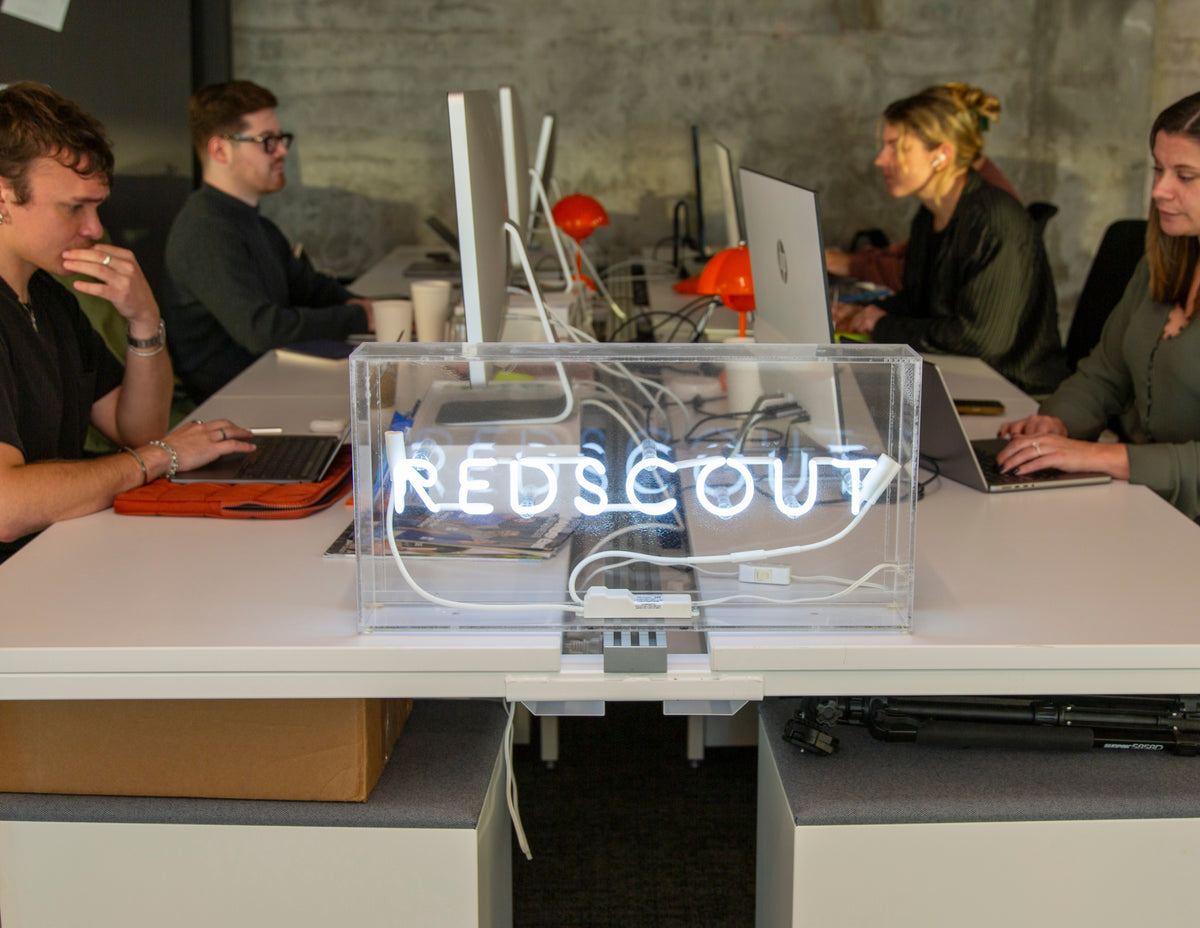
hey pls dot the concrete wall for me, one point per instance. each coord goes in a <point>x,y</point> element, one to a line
<point>793,87</point>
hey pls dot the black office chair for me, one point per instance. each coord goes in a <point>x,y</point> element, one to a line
<point>1041,213</point>
<point>1121,248</point>
<point>875,238</point>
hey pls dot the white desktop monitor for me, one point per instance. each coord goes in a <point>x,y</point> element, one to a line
<point>482,209</point>
<point>729,200</point>
<point>791,305</point>
<point>543,166</point>
<point>515,146</point>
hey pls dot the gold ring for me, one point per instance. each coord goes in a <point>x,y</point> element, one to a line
<point>107,260</point>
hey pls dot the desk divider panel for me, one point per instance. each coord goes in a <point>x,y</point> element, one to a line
<point>641,487</point>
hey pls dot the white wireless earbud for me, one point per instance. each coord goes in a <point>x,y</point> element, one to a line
<point>939,160</point>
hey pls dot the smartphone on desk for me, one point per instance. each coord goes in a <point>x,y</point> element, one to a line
<point>965,407</point>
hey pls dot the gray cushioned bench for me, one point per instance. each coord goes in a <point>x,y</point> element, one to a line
<point>903,834</point>
<point>444,778</point>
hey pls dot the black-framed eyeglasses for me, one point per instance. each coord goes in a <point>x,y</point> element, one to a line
<point>269,141</point>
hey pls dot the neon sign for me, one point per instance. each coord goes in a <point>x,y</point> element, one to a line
<point>723,485</point>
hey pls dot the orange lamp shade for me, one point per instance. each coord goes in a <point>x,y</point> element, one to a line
<point>727,275</point>
<point>579,215</point>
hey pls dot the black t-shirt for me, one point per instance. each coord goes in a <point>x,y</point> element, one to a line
<point>49,375</point>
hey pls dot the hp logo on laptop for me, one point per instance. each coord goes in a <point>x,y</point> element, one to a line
<point>781,257</point>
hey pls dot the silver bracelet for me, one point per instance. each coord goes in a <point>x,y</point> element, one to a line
<point>147,347</point>
<point>142,464</point>
<point>174,457</point>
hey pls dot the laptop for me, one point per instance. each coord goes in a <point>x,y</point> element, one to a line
<point>437,266</point>
<point>945,446</point>
<point>277,459</point>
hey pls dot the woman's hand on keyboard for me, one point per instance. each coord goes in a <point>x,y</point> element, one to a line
<point>1026,454</point>
<point>1033,425</point>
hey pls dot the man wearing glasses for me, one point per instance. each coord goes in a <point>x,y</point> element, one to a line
<point>234,287</point>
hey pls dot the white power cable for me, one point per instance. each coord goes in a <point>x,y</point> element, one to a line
<point>850,587</point>
<point>510,785</point>
<point>876,482</point>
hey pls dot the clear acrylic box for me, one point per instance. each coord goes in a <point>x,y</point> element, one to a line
<point>611,486</point>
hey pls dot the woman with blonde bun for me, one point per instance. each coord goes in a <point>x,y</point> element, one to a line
<point>976,279</point>
<point>885,265</point>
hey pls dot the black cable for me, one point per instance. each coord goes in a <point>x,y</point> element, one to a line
<point>931,465</point>
<point>642,316</point>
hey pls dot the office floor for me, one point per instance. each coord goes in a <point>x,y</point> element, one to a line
<point>625,832</point>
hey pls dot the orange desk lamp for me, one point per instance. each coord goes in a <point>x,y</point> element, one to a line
<point>579,216</point>
<point>727,275</point>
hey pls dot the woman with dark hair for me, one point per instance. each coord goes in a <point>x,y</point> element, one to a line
<point>976,278</point>
<point>1144,372</point>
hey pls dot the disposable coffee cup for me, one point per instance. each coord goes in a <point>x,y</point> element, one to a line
<point>743,386</point>
<point>431,309</point>
<point>393,320</point>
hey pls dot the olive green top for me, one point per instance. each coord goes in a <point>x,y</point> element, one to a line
<point>1151,386</point>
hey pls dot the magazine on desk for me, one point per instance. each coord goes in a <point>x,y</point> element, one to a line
<point>498,535</point>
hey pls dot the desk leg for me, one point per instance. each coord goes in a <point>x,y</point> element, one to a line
<point>548,729</point>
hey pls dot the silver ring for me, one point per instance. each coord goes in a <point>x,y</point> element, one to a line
<point>1038,448</point>
<point>107,260</point>
<point>222,435</point>
<point>199,422</point>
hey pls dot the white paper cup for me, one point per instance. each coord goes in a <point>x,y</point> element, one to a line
<point>393,320</point>
<point>742,383</point>
<point>431,308</point>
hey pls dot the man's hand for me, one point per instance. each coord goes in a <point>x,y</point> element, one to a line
<point>856,317</point>
<point>369,307</point>
<point>198,443</point>
<point>118,279</point>
<point>837,262</point>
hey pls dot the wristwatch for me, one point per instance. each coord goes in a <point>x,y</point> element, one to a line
<point>154,341</point>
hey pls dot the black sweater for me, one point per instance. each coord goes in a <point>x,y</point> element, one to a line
<point>980,287</point>
<point>234,290</point>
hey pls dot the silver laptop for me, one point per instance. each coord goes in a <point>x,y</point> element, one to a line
<point>277,459</point>
<point>946,448</point>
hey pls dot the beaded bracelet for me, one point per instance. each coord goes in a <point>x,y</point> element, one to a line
<point>142,464</point>
<point>174,457</point>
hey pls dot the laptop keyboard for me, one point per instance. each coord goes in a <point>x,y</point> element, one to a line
<point>286,457</point>
<point>993,474</point>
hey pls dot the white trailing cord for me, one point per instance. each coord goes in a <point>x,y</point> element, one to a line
<point>874,484</point>
<point>510,785</point>
<point>555,235</point>
<point>850,587</point>
<point>450,603</point>
<point>644,384</point>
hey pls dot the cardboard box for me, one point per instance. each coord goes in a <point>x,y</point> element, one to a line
<point>322,749</point>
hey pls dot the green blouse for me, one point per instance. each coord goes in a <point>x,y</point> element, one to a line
<point>1151,385</point>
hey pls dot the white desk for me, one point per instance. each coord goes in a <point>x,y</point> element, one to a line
<point>1069,590</point>
<point>386,279</point>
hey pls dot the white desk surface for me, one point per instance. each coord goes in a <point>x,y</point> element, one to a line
<point>1069,590</point>
<point>385,279</point>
